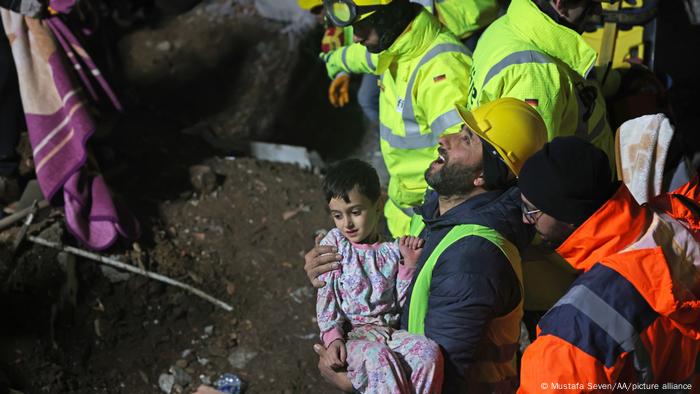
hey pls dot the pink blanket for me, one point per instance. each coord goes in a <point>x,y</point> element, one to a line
<point>59,125</point>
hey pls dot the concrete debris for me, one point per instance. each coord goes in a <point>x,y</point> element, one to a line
<point>285,154</point>
<point>166,382</point>
<point>240,357</point>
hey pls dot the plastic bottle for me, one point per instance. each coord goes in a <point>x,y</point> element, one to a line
<point>229,383</point>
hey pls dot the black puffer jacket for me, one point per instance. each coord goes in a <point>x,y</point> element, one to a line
<point>473,281</point>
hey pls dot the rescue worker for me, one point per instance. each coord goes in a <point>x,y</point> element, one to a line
<point>339,38</point>
<point>633,316</point>
<point>423,71</point>
<point>535,52</point>
<point>467,293</point>
<point>466,20</point>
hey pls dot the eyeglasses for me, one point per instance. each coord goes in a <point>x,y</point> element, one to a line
<point>530,215</point>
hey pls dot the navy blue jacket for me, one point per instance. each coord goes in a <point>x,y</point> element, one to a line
<point>473,281</point>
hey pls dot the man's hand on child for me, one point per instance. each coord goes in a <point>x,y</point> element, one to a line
<point>337,378</point>
<point>335,355</point>
<point>410,248</point>
<point>319,260</point>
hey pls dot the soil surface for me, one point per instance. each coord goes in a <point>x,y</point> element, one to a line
<point>197,86</point>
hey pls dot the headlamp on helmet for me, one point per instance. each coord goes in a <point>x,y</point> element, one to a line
<point>346,12</point>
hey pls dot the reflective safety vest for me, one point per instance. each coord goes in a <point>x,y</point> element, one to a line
<point>526,55</point>
<point>422,75</point>
<point>463,18</point>
<point>495,366</point>
<point>416,226</point>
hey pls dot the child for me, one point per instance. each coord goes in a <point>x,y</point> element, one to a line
<point>358,308</point>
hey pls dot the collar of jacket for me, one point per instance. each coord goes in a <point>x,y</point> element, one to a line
<point>552,38</point>
<point>413,42</point>
<point>611,228</point>
<point>496,209</point>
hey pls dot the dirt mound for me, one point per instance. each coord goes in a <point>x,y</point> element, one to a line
<point>242,243</point>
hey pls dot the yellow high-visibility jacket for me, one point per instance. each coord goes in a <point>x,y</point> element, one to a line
<point>422,75</point>
<point>527,55</point>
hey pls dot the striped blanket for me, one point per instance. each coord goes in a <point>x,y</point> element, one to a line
<point>59,125</point>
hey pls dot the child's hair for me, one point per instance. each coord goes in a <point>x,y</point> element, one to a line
<point>343,176</point>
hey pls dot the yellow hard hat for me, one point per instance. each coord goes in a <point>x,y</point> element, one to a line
<point>511,126</point>
<point>346,12</point>
<point>309,4</point>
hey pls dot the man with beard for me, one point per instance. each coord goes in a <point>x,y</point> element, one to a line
<point>424,71</point>
<point>633,316</point>
<point>467,292</point>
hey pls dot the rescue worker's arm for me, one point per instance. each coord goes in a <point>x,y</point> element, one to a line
<point>352,59</point>
<point>540,85</point>
<point>550,360</point>
<point>320,259</point>
<point>439,85</point>
<point>472,284</point>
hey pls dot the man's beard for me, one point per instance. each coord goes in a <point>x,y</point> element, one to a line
<point>453,180</point>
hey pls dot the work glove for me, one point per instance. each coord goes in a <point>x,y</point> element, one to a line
<point>338,91</point>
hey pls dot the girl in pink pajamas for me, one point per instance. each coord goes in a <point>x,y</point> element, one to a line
<point>358,308</point>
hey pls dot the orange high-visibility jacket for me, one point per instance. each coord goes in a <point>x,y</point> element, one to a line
<point>633,316</point>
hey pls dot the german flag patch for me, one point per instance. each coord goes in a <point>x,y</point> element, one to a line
<point>439,78</point>
<point>532,102</point>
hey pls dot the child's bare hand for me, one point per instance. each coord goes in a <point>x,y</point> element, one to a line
<point>335,355</point>
<point>411,248</point>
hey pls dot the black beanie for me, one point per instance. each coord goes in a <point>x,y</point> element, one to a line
<point>495,170</point>
<point>568,179</point>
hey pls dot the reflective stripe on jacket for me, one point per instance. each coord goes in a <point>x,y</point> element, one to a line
<point>352,58</point>
<point>526,55</point>
<point>634,315</point>
<point>495,366</point>
<point>463,18</point>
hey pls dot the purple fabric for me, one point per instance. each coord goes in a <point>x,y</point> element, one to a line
<point>91,214</point>
<point>59,128</point>
<point>73,49</point>
<point>62,6</point>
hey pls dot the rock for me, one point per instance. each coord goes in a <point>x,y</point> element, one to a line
<point>240,357</point>
<point>182,378</point>
<point>166,382</point>
<point>181,363</point>
<point>209,330</point>
<point>202,178</point>
<point>301,294</point>
<point>113,274</point>
<point>164,46</point>
<point>205,379</point>
<point>144,377</point>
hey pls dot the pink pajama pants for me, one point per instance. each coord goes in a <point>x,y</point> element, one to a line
<point>384,360</point>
